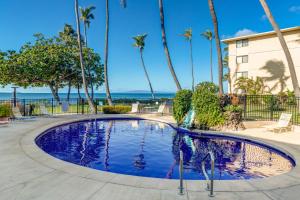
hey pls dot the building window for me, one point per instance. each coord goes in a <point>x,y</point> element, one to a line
<point>242,43</point>
<point>241,74</point>
<point>241,59</point>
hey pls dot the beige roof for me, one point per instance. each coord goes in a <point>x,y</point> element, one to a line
<point>260,34</point>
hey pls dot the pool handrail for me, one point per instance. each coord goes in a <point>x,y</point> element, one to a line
<point>210,181</point>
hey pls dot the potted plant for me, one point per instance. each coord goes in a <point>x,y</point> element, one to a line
<point>5,112</point>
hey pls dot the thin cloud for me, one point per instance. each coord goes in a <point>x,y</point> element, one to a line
<point>264,18</point>
<point>295,9</point>
<point>244,32</point>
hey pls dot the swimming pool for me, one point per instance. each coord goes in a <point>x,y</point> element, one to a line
<point>151,149</point>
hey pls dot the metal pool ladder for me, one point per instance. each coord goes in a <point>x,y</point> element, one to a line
<point>209,181</point>
<point>181,173</point>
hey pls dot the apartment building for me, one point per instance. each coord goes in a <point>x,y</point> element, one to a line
<point>261,55</point>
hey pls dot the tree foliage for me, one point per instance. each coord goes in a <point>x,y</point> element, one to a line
<point>251,86</point>
<point>207,107</point>
<point>51,62</point>
<point>182,104</point>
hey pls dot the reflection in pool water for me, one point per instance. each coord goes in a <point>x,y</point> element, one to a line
<point>151,149</point>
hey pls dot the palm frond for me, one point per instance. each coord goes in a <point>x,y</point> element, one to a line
<point>188,34</point>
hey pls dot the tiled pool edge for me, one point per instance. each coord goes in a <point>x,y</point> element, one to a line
<point>27,142</point>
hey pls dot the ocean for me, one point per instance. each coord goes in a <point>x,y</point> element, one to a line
<point>139,96</point>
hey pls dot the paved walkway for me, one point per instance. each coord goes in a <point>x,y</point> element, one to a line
<point>27,173</point>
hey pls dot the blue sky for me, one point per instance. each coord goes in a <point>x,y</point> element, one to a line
<point>20,19</point>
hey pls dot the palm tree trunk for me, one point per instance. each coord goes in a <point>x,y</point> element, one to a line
<point>164,39</point>
<point>284,47</point>
<point>229,80</point>
<point>78,91</point>
<point>91,83</point>
<point>108,95</point>
<point>218,44</point>
<point>54,93</point>
<point>69,91</point>
<point>146,74</point>
<point>89,100</point>
<point>192,63</point>
<point>85,35</point>
<point>211,63</point>
<point>89,69</point>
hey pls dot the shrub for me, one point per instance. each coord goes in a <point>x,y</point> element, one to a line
<point>233,115</point>
<point>118,109</point>
<point>207,106</point>
<point>233,108</point>
<point>181,104</point>
<point>5,111</point>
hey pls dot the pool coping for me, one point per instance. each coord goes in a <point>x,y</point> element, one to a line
<point>289,179</point>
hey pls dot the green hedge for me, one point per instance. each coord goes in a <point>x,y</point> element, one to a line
<point>207,106</point>
<point>118,109</point>
<point>5,111</point>
<point>182,104</point>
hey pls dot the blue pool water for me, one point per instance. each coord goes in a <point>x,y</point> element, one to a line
<point>151,149</point>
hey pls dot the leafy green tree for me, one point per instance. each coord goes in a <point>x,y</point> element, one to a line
<point>69,38</point>
<point>188,35</point>
<point>208,34</point>
<point>48,62</point>
<point>84,82</point>
<point>165,44</point>
<point>139,42</point>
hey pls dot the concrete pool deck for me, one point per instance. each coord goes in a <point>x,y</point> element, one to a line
<point>28,173</point>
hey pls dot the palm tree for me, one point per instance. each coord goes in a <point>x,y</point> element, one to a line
<point>209,36</point>
<point>89,100</point>
<point>108,95</point>
<point>164,39</point>
<point>188,34</point>
<point>284,47</point>
<point>139,42</point>
<point>227,77</point>
<point>218,44</point>
<point>86,17</point>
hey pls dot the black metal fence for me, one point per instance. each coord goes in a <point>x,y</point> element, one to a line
<point>37,107</point>
<point>269,107</point>
<point>255,107</point>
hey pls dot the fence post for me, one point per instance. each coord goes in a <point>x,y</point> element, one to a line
<point>272,108</point>
<point>96,105</point>
<point>24,103</point>
<point>82,106</point>
<point>245,105</point>
<point>52,106</point>
<point>77,102</point>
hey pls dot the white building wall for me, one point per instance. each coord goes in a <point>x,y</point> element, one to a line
<point>265,54</point>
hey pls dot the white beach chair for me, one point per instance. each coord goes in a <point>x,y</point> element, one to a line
<point>135,108</point>
<point>18,116</point>
<point>162,108</point>
<point>44,110</point>
<point>283,124</point>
